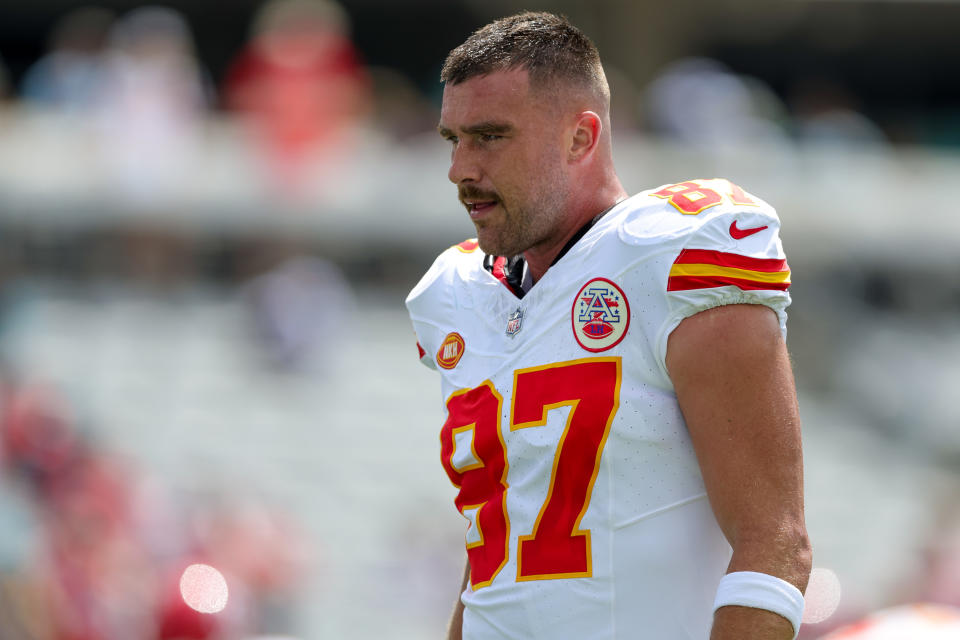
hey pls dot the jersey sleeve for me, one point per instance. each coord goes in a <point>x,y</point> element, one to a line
<point>735,257</point>
<point>425,358</point>
<point>420,302</point>
<point>721,246</point>
<point>435,296</point>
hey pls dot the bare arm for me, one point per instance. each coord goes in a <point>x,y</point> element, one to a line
<point>733,379</point>
<point>455,630</point>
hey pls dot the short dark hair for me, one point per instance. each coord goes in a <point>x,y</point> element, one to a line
<point>545,44</point>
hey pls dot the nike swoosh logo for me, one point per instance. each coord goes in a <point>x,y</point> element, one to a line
<point>740,234</point>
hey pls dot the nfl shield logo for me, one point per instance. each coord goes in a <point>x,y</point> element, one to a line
<point>514,321</point>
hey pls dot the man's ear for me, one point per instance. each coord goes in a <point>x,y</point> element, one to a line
<point>586,136</point>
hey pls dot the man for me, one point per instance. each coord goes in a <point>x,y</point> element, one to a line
<point>621,416</point>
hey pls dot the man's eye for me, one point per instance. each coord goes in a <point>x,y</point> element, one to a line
<point>452,140</point>
<point>489,137</point>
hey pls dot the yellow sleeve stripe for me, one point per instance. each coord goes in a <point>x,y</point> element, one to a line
<point>710,270</point>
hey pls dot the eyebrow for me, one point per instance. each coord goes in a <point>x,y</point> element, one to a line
<point>481,128</point>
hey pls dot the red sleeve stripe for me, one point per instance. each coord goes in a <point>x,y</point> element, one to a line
<point>686,283</point>
<point>735,260</point>
<point>420,351</point>
<point>702,269</point>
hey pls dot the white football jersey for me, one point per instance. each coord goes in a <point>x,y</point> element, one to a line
<point>586,511</point>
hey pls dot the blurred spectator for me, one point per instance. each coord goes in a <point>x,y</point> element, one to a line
<point>150,116</point>
<point>700,103</point>
<point>262,553</point>
<point>826,112</point>
<point>93,575</point>
<point>38,440</point>
<point>301,86</point>
<point>152,107</point>
<point>400,109</point>
<point>70,76</point>
<point>111,549</point>
<point>300,308</point>
<point>99,578</point>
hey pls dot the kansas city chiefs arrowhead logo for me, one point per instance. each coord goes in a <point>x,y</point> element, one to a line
<point>600,315</point>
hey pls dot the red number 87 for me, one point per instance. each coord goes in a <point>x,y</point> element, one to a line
<point>474,456</point>
<point>693,196</point>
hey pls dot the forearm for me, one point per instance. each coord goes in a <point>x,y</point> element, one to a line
<point>455,630</point>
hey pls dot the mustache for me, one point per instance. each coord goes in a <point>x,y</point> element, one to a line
<point>471,192</point>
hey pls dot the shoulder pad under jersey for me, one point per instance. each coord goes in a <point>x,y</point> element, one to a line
<point>703,208</point>
<point>440,294</point>
<point>723,246</point>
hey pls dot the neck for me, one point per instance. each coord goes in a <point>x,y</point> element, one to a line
<point>540,257</point>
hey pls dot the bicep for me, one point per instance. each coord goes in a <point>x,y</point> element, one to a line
<point>734,383</point>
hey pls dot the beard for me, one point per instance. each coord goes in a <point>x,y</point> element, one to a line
<point>519,224</point>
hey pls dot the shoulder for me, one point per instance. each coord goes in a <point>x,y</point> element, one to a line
<point>709,227</point>
<point>717,245</point>
<point>458,265</point>
<point>442,292</point>
<point>718,210</point>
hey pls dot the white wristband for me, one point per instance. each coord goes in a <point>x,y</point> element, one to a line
<point>761,591</point>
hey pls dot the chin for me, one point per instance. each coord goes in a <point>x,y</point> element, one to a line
<point>486,246</point>
<point>497,244</point>
<point>489,245</point>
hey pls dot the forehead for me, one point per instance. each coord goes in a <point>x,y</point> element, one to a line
<point>501,96</point>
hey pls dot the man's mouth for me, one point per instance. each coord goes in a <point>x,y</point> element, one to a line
<point>478,203</point>
<point>479,207</point>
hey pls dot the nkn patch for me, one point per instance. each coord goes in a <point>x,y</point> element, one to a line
<point>451,350</point>
<point>600,315</point>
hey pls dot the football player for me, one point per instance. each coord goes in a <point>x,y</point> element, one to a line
<point>621,418</point>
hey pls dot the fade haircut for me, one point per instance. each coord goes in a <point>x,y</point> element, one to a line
<point>546,45</point>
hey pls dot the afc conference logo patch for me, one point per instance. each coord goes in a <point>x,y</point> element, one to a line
<point>450,351</point>
<point>600,315</point>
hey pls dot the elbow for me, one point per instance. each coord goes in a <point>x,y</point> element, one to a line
<point>796,556</point>
<point>803,559</point>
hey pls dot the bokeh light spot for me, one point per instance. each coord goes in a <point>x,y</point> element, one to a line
<point>203,588</point>
<point>822,597</point>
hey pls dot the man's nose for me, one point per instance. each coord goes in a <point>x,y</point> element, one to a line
<point>463,166</point>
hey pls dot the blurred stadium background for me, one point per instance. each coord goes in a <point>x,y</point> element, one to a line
<point>210,214</point>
